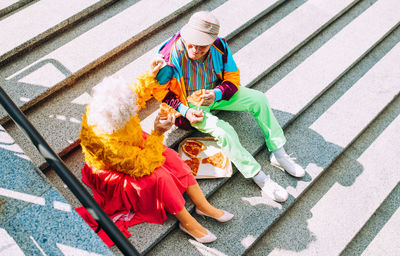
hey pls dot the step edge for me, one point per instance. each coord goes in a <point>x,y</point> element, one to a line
<point>54,30</point>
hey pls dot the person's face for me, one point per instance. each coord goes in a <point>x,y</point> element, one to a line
<point>197,52</point>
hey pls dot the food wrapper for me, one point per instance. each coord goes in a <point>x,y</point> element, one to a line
<point>207,170</point>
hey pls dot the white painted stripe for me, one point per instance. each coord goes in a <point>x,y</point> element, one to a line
<point>72,251</point>
<point>8,246</point>
<point>313,76</point>
<point>62,206</point>
<point>22,196</point>
<point>37,245</point>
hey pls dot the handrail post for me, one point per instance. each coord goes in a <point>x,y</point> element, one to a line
<point>67,177</point>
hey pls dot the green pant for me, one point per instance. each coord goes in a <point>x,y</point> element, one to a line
<point>255,103</point>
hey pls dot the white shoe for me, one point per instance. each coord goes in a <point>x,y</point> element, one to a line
<point>287,164</point>
<point>210,237</point>
<point>273,190</point>
<point>224,218</point>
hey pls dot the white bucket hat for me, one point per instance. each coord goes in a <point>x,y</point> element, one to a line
<point>202,29</point>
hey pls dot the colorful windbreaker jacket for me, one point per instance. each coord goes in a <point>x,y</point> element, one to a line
<point>173,90</point>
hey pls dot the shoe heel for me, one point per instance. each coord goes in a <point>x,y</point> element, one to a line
<point>209,238</point>
<point>200,213</point>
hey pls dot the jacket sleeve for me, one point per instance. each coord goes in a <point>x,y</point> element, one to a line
<point>172,100</point>
<point>227,89</point>
<point>231,74</point>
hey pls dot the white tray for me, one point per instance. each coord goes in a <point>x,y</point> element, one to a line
<point>208,171</point>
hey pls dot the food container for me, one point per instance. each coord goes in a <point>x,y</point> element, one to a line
<point>207,170</point>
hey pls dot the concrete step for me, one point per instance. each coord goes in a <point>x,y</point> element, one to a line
<point>34,216</point>
<point>317,137</point>
<point>40,20</point>
<point>351,192</point>
<point>8,6</point>
<point>379,233</point>
<point>31,83</point>
<point>286,37</point>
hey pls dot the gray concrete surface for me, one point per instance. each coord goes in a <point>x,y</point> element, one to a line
<point>325,218</point>
<point>287,36</point>
<point>41,19</point>
<point>8,6</point>
<point>380,233</point>
<point>34,218</point>
<point>334,58</point>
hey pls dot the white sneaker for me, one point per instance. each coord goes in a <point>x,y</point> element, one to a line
<point>273,190</point>
<point>287,164</point>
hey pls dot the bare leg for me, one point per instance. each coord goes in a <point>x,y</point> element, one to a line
<point>190,223</point>
<point>201,202</point>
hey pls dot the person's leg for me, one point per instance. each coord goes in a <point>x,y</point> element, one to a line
<point>256,103</point>
<point>201,202</point>
<point>228,140</point>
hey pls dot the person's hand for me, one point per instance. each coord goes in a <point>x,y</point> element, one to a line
<point>208,97</point>
<point>160,127</point>
<point>157,63</point>
<point>194,116</point>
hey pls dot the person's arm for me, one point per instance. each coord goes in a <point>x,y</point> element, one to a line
<point>231,74</point>
<point>164,75</point>
<point>147,82</point>
<point>175,103</point>
<point>147,157</point>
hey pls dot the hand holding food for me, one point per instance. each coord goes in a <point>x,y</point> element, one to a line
<point>162,126</point>
<point>166,110</point>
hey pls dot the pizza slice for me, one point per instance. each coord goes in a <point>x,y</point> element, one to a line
<point>193,147</point>
<point>166,109</point>
<point>195,99</point>
<point>194,164</point>
<point>218,160</point>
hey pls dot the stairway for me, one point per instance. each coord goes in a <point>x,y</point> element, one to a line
<point>330,71</point>
<point>35,219</point>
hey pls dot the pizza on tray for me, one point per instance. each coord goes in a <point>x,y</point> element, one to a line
<point>166,110</point>
<point>195,99</point>
<point>194,164</point>
<point>193,147</point>
<point>218,160</point>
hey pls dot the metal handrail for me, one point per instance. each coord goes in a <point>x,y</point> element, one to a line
<point>67,177</point>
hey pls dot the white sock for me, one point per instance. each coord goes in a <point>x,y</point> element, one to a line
<point>279,153</point>
<point>260,178</point>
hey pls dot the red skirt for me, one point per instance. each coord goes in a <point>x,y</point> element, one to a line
<point>148,197</point>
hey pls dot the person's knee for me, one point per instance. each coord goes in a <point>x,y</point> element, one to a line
<point>224,132</point>
<point>259,101</point>
<point>259,98</point>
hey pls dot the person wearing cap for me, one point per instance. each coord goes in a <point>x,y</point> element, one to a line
<point>198,59</point>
